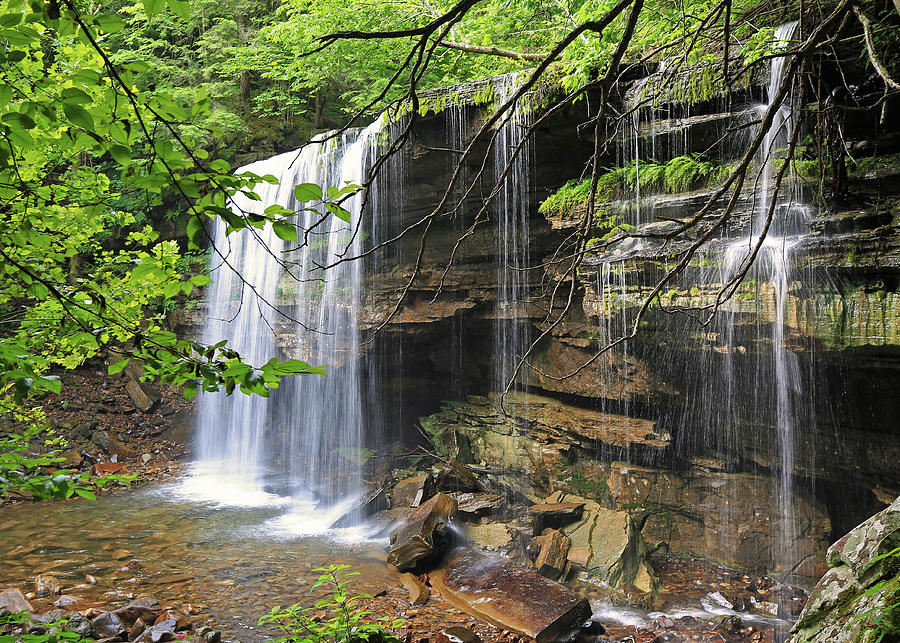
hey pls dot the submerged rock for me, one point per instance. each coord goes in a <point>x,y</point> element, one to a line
<point>414,540</point>
<point>857,587</point>
<point>508,595</point>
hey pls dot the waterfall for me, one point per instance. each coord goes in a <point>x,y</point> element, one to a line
<point>269,298</point>
<point>512,206</point>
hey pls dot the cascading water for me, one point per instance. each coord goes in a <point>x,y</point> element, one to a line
<point>305,441</point>
<point>512,170</point>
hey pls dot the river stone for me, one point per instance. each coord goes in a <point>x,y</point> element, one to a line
<point>108,625</point>
<point>182,620</point>
<point>163,631</point>
<point>834,612</point>
<point>209,635</point>
<point>618,553</point>
<point>79,625</point>
<point>552,559</point>
<point>138,395</point>
<point>418,591</point>
<point>511,596</point>
<point>457,634</point>
<point>65,601</point>
<point>14,601</point>
<point>414,539</point>
<point>46,585</point>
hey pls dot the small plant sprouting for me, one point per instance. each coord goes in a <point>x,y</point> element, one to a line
<point>345,619</point>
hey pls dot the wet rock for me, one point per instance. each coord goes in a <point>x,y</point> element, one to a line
<point>46,585</point>
<point>372,501</point>
<point>52,616</point>
<point>494,536</point>
<point>506,594</point>
<point>418,591</point>
<point>457,634</point>
<point>452,476</point>
<point>182,621</point>
<point>618,553</point>
<point>139,609</point>
<point>766,607</point>
<point>13,600</point>
<point>72,459</point>
<point>477,505</point>
<point>65,601</point>
<point>729,625</point>
<point>209,635</point>
<point>414,540</point>
<point>555,515</point>
<point>719,599</point>
<point>79,625</point>
<point>137,629</point>
<point>413,491</point>
<point>162,631</point>
<point>551,561</point>
<point>108,625</point>
<point>111,445</point>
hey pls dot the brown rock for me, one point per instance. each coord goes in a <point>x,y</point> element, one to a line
<point>46,585</point>
<point>418,591</point>
<point>414,539</point>
<point>412,492</point>
<point>555,515</point>
<point>14,601</point>
<point>139,396</point>
<point>457,634</point>
<point>182,621</point>
<point>108,625</point>
<point>111,445</point>
<point>508,595</point>
<point>455,477</point>
<point>137,629</point>
<point>476,505</point>
<point>108,468</point>
<point>551,561</point>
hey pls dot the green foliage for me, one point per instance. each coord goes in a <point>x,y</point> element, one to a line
<point>346,620</point>
<point>680,174</point>
<point>54,632</point>
<point>882,623</point>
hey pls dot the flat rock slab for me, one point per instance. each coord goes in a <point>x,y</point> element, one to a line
<point>504,593</point>
<point>476,505</point>
<point>14,601</point>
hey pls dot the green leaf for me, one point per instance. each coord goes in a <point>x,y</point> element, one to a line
<point>119,366</point>
<point>190,390</point>
<point>339,212</point>
<point>195,231</point>
<point>109,22</point>
<point>78,116</point>
<point>285,230</point>
<point>307,192</point>
<point>10,19</point>
<point>120,153</point>
<point>153,7</point>
<point>180,8</point>
<point>84,493</point>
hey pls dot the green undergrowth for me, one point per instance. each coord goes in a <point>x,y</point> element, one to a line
<point>680,174</point>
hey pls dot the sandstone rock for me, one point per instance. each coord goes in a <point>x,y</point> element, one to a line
<point>552,559</point>
<point>555,515</point>
<point>508,595</point>
<point>494,536</point>
<point>476,505</point>
<point>14,601</point>
<point>111,445</point>
<point>137,629</point>
<point>46,585</point>
<point>418,591</point>
<point>413,491</point>
<point>139,396</point>
<point>108,625</point>
<point>853,586</point>
<point>139,609</point>
<point>414,540</point>
<point>618,553</point>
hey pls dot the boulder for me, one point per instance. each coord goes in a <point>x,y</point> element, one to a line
<point>162,631</point>
<point>79,625</point>
<point>552,558</point>
<point>555,515</point>
<point>108,625</point>
<point>618,554</point>
<point>46,585</point>
<point>508,595</point>
<point>138,609</point>
<point>182,621</point>
<point>140,396</point>
<point>857,585</point>
<point>413,491</point>
<point>13,600</point>
<point>414,539</point>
